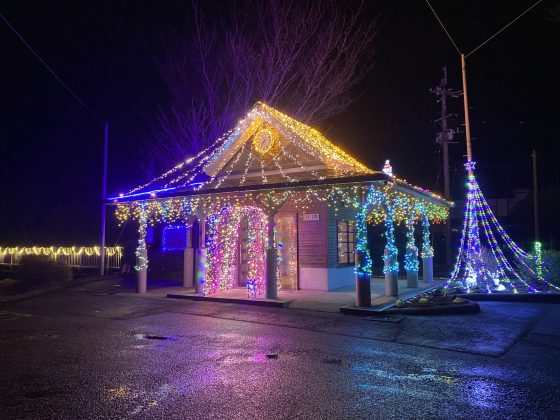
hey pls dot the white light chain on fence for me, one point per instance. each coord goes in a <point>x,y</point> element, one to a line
<point>79,257</point>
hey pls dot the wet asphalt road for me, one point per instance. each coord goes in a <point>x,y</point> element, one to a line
<point>87,353</point>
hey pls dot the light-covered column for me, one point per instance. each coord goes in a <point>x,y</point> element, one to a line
<point>427,252</point>
<point>391,266</point>
<point>362,258</point>
<point>142,253</point>
<point>200,264</point>
<point>271,260</point>
<point>188,259</point>
<point>411,263</point>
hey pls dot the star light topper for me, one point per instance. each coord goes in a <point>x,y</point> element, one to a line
<point>469,166</point>
<point>387,168</point>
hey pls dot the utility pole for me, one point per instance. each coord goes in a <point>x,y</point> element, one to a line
<point>103,198</point>
<point>466,106</point>
<point>444,137</point>
<point>535,196</point>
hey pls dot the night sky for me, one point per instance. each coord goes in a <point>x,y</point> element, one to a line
<point>51,148</point>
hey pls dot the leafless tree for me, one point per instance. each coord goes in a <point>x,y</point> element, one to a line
<point>303,57</point>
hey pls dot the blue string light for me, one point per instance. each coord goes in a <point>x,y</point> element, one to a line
<point>488,260</point>
<point>173,238</point>
<point>391,251</point>
<point>411,262</point>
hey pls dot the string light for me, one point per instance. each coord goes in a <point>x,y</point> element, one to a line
<point>174,238</point>
<point>53,251</point>
<point>488,259</point>
<point>265,126</point>
<point>223,247</point>
<point>427,249</point>
<point>411,262</point>
<point>391,252</point>
<point>373,210</point>
<point>538,259</point>
<point>141,251</point>
<point>268,146</point>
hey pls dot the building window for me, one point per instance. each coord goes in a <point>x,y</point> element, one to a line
<point>346,242</point>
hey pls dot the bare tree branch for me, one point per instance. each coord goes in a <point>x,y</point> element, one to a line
<point>304,58</point>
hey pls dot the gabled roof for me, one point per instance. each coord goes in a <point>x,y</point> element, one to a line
<point>266,147</point>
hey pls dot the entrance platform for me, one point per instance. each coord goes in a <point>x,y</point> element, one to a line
<point>313,300</point>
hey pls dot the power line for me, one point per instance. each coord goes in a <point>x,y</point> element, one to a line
<point>509,24</point>
<point>51,71</point>
<point>443,26</point>
<point>489,39</point>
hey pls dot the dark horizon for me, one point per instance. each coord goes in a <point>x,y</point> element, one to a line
<point>52,148</point>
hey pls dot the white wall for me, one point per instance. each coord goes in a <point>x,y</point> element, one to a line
<point>312,278</point>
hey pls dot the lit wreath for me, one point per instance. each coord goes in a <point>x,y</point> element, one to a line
<point>267,142</point>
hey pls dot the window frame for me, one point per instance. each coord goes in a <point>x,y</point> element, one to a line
<point>349,245</point>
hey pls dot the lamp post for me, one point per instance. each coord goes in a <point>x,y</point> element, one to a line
<point>103,198</point>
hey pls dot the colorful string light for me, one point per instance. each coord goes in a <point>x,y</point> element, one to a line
<point>411,262</point>
<point>373,210</point>
<point>288,143</point>
<point>488,259</point>
<point>391,252</point>
<point>427,249</point>
<point>539,260</point>
<point>223,243</point>
<point>267,147</point>
<point>141,250</point>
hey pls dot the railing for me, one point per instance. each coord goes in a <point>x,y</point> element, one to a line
<point>79,257</point>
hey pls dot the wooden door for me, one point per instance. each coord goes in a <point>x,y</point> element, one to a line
<point>286,236</point>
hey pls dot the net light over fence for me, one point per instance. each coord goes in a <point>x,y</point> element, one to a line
<point>79,257</point>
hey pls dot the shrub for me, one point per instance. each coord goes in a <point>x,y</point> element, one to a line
<point>39,269</point>
<point>551,265</point>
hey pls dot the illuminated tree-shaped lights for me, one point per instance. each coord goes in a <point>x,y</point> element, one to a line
<point>488,259</point>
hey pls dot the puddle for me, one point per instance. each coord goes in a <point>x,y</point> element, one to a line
<point>14,315</point>
<point>41,336</point>
<point>337,362</point>
<point>282,357</point>
<point>153,337</point>
<point>388,318</point>
<point>37,394</point>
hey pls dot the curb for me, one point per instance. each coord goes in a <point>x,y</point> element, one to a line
<point>465,308</point>
<point>71,283</point>
<point>268,302</point>
<point>513,297</point>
